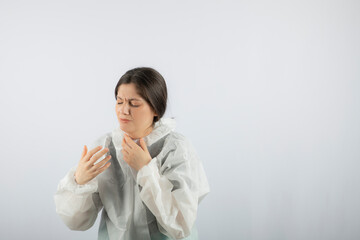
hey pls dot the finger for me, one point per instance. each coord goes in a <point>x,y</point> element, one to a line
<point>124,152</point>
<point>100,170</point>
<point>127,141</point>
<point>91,152</point>
<point>143,145</point>
<point>130,142</point>
<point>126,159</point>
<point>84,152</point>
<point>126,146</point>
<point>123,143</point>
<point>102,162</point>
<point>98,155</point>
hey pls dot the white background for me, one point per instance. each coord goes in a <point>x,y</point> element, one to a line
<point>267,91</point>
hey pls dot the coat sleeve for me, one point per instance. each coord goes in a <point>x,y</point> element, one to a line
<point>77,205</point>
<point>172,188</point>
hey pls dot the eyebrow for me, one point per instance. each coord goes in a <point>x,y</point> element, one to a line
<point>130,99</point>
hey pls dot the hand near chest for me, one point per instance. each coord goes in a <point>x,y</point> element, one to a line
<point>134,155</point>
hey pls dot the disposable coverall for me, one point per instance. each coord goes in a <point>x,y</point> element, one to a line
<point>159,201</point>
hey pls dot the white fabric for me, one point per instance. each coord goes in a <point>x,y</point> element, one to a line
<point>167,190</point>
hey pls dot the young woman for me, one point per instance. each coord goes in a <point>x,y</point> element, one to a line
<point>152,180</point>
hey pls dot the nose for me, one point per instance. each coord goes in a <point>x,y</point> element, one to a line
<point>125,109</point>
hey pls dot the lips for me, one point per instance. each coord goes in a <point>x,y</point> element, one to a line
<point>124,120</point>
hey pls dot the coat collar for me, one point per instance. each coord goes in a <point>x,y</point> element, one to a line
<point>161,128</point>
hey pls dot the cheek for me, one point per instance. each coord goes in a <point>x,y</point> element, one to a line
<point>136,115</point>
<point>117,110</point>
<point>149,116</point>
<point>140,116</point>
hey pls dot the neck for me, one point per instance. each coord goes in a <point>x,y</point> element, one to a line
<point>141,135</point>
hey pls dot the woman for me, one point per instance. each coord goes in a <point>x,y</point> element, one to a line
<point>151,181</point>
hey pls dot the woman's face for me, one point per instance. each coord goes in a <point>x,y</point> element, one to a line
<point>133,112</point>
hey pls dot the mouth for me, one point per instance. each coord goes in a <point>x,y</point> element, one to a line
<point>124,120</point>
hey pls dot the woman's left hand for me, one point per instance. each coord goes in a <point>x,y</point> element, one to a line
<point>136,156</point>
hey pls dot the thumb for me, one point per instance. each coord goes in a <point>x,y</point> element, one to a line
<point>143,145</point>
<point>84,151</point>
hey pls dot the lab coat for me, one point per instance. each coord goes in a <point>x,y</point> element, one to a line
<point>159,201</point>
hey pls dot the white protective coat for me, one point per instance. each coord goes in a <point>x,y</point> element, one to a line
<point>159,201</point>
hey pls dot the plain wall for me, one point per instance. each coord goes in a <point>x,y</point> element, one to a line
<point>267,91</point>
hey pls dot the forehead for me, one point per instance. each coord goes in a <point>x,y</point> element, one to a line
<point>128,91</point>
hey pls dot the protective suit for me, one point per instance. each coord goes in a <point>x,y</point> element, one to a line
<point>159,201</point>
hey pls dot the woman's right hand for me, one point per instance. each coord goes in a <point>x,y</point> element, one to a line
<point>86,169</point>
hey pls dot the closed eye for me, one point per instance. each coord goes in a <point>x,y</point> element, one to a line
<point>132,105</point>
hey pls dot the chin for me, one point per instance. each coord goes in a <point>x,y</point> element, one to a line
<point>125,128</point>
